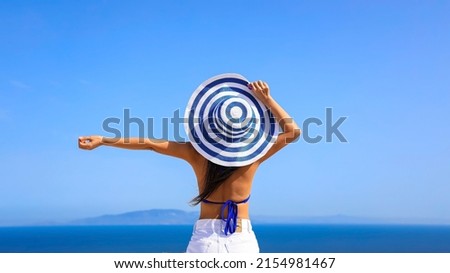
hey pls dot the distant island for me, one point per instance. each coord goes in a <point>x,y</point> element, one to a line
<point>145,217</point>
<point>180,217</point>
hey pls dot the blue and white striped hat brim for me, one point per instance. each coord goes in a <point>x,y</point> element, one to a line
<point>227,124</point>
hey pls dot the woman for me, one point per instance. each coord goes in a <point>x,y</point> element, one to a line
<point>224,224</point>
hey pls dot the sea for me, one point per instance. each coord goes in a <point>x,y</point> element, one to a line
<point>304,238</point>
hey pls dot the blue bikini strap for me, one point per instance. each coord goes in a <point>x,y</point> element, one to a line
<point>231,219</point>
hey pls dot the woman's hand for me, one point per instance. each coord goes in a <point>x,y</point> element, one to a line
<point>89,142</point>
<point>261,90</point>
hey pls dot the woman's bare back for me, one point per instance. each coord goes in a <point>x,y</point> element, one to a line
<point>236,188</point>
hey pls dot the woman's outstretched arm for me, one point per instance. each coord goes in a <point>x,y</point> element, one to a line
<point>183,150</point>
<point>291,131</point>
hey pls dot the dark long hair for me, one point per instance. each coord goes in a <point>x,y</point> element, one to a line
<point>214,177</point>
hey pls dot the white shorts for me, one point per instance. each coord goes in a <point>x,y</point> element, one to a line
<point>208,237</point>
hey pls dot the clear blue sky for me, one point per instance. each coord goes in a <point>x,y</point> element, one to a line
<point>65,66</point>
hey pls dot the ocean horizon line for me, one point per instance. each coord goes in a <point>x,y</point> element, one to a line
<point>156,217</point>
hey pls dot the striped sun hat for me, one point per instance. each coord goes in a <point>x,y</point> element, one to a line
<point>227,124</point>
